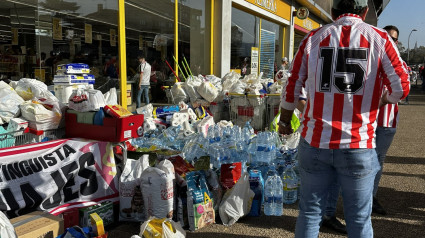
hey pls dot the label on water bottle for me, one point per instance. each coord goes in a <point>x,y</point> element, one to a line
<point>278,199</point>
<point>289,187</point>
<point>261,148</point>
<point>268,199</point>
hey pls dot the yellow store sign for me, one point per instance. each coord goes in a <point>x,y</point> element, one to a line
<point>277,7</point>
<point>307,24</point>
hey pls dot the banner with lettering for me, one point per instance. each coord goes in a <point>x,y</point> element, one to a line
<point>56,176</point>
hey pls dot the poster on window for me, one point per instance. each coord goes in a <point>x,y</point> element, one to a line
<point>113,37</point>
<point>57,28</point>
<point>254,60</point>
<point>88,34</point>
<point>57,176</point>
<point>15,36</point>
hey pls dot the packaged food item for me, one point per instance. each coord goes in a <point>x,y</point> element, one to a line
<point>74,68</point>
<point>104,210</point>
<point>230,174</point>
<point>117,111</point>
<point>74,79</point>
<point>164,228</point>
<point>200,206</point>
<point>256,183</point>
<point>97,224</point>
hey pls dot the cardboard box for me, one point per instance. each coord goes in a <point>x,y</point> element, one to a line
<point>38,225</point>
<point>104,210</point>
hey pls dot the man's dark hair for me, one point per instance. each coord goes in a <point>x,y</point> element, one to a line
<point>394,28</point>
<point>141,57</point>
<point>347,6</point>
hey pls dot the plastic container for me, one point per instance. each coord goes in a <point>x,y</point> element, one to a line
<point>63,92</point>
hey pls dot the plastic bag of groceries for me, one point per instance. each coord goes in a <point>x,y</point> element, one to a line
<point>191,85</point>
<point>111,97</point>
<point>6,228</point>
<point>161,227</point>
<point>179,94</point>
<point>83,100</point>
<point>131,200</point>
<point>9,102</point>
<point>32,88</point>
<point>42,114</point>
<point>208,91</point>
<point>157,184</point>
<point>237,201</point>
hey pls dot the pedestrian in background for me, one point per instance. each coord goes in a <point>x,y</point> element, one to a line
<point>144,80</point>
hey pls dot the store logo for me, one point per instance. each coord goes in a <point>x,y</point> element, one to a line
<point>308,24</point>
<point>268,4</point>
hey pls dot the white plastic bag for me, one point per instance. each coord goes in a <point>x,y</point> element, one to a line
<point>208,91</point>
<point>191,85</point>
<point>179,94</point>
<point>145,110</point>
<point>42,115</point>
<point>86,100</point>
<point>237,201</point>
<point>9,102</point>
<point>111,97</point>
<point>131,200</point>
<point>238,87</point>
<point>32,88</point>
<point>150,228</point>
<point>205,124</point>
<point>6,228</point>
<point>157,186</point>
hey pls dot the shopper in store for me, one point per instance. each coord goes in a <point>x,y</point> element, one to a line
<point>340,64</point>
<point>144,80</point>
<point>284,65</point>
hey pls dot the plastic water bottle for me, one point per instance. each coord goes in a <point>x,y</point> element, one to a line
<point>290,185</point>
<point>195,148</point>
<point>265,148</point>
<point>278,197</point>
<point>271,171</point>
<point>268,196</point>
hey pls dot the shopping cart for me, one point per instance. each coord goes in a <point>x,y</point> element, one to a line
<point>28,136</point>
<point>169,94</point>
<point>273,106</point>
<point>220,110</point>
<point>248,107</point>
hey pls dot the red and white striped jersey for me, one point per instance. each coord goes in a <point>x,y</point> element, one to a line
<point>388,116</point>
<point>344,66</point>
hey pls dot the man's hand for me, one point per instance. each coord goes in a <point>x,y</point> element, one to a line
<point>384,101</point>
<point>140,86</point>
<point>285,130</point>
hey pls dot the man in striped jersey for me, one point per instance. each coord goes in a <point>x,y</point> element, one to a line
<point>341,64</point>
<point>387,123</point>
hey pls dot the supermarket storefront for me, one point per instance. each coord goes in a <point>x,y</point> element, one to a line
<point>301,28</point>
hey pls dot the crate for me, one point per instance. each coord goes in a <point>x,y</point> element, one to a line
<point>252,108</point>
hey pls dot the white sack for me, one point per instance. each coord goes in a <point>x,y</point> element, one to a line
<point>111,97</point>
<point>86,100</point>
<point>131,199</point>
<point>39,117</point>
<point>9,102</point>
<point>208,91</point>
<point>31,88</point>
<point>6,228</point>
<point>157,186</point>
<point>145,110</point>
<point>179,94</point>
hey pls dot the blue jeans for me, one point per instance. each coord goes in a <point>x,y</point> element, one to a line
<point>355,171</point>
<point>384,137</point>
<point>332,199</point>
<point>144,89</point>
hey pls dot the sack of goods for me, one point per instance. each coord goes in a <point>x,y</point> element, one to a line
<point>9,102</point>
<point>42,114</point>
<point>86,100</point>
<point>131,199</point>
<point>157,184</point>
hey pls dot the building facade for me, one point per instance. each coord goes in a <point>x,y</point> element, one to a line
<point>212,36</point>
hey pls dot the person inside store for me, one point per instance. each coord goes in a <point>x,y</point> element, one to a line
<point>284,65</point>
<point>245,69</point>
<point>337,136</point>
<point>144,70</point>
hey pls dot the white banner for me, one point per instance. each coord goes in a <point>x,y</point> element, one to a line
<point>56,176</point>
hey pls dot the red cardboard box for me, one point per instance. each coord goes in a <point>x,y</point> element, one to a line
<point>112,130</point>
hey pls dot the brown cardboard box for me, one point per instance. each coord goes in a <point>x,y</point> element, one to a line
<point>38,225</point>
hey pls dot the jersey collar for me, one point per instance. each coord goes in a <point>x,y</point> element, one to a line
<point>349,15</point>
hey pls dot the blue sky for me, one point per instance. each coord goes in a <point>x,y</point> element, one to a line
<point>406,15</point>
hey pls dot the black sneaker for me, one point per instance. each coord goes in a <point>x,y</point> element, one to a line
<point>334,224</point>
<point>377,208</point>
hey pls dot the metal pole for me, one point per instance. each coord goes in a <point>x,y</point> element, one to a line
<point>122,53</point>
<point>408,46</point>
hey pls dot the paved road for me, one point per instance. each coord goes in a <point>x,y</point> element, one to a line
<point>401,192</point>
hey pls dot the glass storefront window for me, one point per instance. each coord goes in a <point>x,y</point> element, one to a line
<point>244,36</point>
<point>194,34</point>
